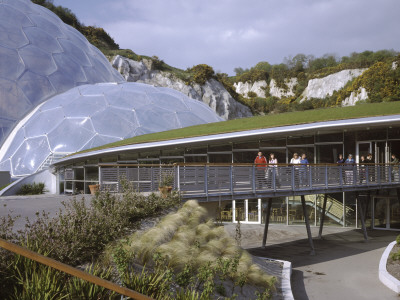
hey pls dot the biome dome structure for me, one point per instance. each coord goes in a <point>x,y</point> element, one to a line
<point>40,57</point>
<point>92,115</point>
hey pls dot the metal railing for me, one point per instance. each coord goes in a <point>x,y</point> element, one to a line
<point>71,270</point>
<point>243,180</point>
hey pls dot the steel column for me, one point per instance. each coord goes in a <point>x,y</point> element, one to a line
<point>361,211</point>
<point>267,216</point>
<point>310,240</point>
<point>321,225</point>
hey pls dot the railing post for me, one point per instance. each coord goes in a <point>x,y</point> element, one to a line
<point>253,175</point>
<point>341,175</point>
<point>178,177</point>
<point>326,177</point>
<point>310,169</point>
<point>390,173</point>
<point>367,175</point>
<point>274,177</point>
<point>379,174</point>
<point>293,178</point>
<point>231,178</point>
<point>355,171</point>
<point>118,182</point>
<point>206,181</point>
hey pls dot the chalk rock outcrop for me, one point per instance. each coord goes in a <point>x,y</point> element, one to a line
<point>213,93</point>
<point>257,87</point>
<point>279,92</point>
<point>323,87</point>
<point>359,95</point>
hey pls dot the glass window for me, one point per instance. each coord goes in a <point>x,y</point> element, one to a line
<point>328,153</point>
<point>350,209</point>
<point>333,210</point>
<point>246,145</point>
<point>349,143</point>
<point>196,159</point>
<point>273,142</point>
<point>329,137</point>
<point>226,212</point>
<point>394,133</point>
<point>252,210</point>
<point>219,148</point>
<point>172,152</point>
<point>149,154</point>
<point>300,140</point>
<point>220,158</point>
<point>244,156</point>
<point>128,157</point>
<point>92,173</point>
<point>171,160</point>
<point>196,150</point>
<point>240,210</point>
<point>79,173</point>
<point>108,159</point>
<point>296,215</point>
<point>371,134</point>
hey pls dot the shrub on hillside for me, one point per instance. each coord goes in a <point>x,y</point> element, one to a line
<point>202,73</point>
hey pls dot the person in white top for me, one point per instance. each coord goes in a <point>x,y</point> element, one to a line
<point>295,160</point>
<point>273,165</point>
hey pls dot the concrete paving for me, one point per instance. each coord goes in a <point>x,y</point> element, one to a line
<point>344,267</point>
<point>29,206</point>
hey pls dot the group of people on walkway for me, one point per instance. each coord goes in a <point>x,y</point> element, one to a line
<point>267,171</point>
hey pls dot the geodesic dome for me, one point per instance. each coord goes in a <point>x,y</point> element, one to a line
<point>40,57</point>
<point>92,115</point>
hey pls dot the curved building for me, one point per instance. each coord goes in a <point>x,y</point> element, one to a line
<point>93,115</point>
<point>40,56</point>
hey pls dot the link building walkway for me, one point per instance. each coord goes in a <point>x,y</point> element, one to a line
<point>219,182</point>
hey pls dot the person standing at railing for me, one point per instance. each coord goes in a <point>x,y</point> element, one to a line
<point>295,161</point>
<point>395,168</point>
<point>362,169</point>
<point>371,168</point>
<point>261,167</point>
<point>340,159</point>
<point>349,162</point>
<point>273,168</point>
<point>304,170</point>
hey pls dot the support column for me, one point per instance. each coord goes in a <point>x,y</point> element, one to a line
<point>321,224</point>
<point>310,240</point>
<point>361,211</point>
<point>267,216</point>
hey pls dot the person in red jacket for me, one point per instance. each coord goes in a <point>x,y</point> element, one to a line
<point>261,167</point>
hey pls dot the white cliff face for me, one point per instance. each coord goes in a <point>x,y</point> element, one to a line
<point>278,92</point>
<point>360,94</point>
<point>323,87</point>
<point>213,93</point>
<point>257,87</point>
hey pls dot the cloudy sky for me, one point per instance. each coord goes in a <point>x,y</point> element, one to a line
<point>232,33</point>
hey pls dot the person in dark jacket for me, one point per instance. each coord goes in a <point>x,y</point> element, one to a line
<point>304,170</point>
<point>340,159</point>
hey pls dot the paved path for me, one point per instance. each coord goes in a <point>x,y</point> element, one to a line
<point>28,206</point>
<point>345,267</point>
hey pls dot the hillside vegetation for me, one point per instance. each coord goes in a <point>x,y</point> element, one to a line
<point>380,81</point>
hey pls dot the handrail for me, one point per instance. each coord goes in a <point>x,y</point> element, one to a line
<point>241,164</point>
<point>71,270</point>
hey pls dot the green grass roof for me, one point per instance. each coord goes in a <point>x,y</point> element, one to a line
<point>267,121</point>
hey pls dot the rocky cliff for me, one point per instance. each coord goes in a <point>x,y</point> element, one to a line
<point>323,87</point>
<point>212,92</point>
<point>260,88</point>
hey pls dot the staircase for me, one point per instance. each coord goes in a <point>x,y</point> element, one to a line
<point>52,158</point>
<point>334,208</point>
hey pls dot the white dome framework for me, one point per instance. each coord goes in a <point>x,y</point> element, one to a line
<point>93,115</point>
<point>40,56</point>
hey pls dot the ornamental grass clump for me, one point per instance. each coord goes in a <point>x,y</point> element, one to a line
<point>187,242</point>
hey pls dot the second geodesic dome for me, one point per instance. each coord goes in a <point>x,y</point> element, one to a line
<point>93,115</point>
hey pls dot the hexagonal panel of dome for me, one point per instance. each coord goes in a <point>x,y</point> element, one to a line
<point>92,115</point>
<point>40,57</point>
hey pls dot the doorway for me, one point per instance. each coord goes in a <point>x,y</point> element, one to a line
<point>386,213</point>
